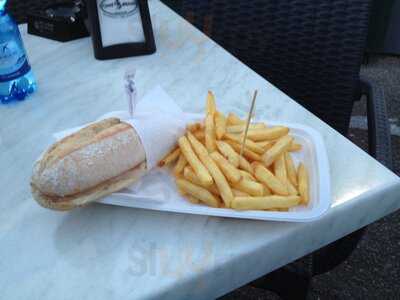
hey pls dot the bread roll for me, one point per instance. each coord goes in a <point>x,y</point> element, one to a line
<point>95,161</point>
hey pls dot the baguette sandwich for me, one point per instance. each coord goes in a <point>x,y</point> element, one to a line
<point>96,161</point>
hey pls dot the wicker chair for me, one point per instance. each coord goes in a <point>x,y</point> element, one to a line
<point>312,50</point>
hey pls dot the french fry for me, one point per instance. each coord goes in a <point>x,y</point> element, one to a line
<point>220,125</point>
<point>266,145</point>
<point>282,209</point>
<point>198,192</point>
<point>247,153</point>
<point>170,157</point>
<point>278,148</point>
<point>217,175</point>
<point>210,133</point>
<point>188,174</point>
<point>231,173</point>
<point>265,202</point>
<point>280,168</point>
<point>290,168</point>
<point>247,175</point>
<point>245,165</point>
<point>181,192</point>
<point>200,170</point>
<point>241,128</point>
<point>291,189</point>
<point>250,187</point>
<point>267,191</point>
<point>227,151</point>
<point>266,177</point>
<point>248,144</point>
<point>280,171</point>
<point>210,106</point>
<point>182,162</point>
<point>192,199</point>
<point>233,119</point>
<point>194,127</point>
<point>237,193</point>
<point>295,147</point>
<point>278,209</point>
<point>267,133</point>
<point>209,123</point>
<point>199,134</point>
<point>303,184</point>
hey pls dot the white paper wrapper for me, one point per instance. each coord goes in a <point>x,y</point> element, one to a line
<point>159,122</point>
<point>156,187</point>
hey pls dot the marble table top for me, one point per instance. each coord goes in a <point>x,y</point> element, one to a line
<point>106,252</point>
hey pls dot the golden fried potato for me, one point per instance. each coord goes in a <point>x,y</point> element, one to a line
<point>277,149</point>
<point>265,202</point>
<point>200,170</point>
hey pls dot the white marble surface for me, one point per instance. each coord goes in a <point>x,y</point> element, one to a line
<point>104,252</point>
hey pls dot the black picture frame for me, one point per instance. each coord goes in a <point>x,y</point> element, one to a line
<point>126,49</point>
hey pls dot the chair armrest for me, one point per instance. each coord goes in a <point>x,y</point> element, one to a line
<point>380,145</point>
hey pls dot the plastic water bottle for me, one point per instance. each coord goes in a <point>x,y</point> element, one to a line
<point>16,77</point>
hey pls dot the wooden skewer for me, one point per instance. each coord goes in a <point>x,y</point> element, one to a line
<point>253,102</point>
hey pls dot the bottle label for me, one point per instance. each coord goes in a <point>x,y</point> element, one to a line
<point>13,61</point>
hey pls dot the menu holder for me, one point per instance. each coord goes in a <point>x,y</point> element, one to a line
<point>120,28</point>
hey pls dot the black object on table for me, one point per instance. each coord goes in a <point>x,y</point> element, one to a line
<point>19,8</point>
<point>61,21</point>
<point>41,23</point>
<point>124,48</point>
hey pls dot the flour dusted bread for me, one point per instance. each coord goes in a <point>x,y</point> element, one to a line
<point>94,162</point>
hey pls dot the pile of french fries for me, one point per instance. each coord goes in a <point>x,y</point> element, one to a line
<point>210,170</point>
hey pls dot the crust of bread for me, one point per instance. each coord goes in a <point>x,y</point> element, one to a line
<point>81,199</point>
<point>70,147</point>
<point>76,141</point>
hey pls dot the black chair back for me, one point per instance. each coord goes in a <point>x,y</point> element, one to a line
<point>310,49</point>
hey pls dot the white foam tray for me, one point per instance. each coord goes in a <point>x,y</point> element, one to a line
<point>313,154</point>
